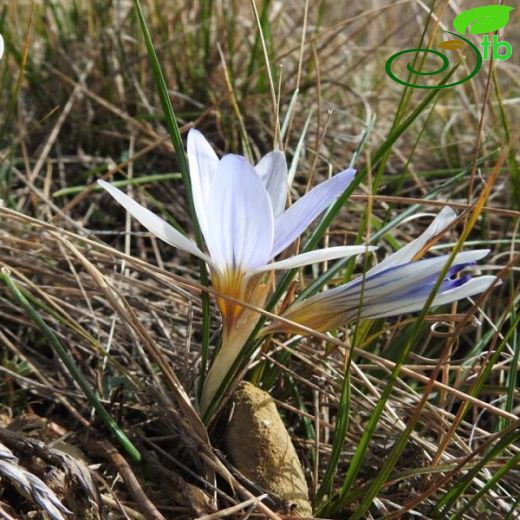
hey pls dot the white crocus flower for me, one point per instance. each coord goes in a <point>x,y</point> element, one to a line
<point>240,210</point>
<point>397,285</point>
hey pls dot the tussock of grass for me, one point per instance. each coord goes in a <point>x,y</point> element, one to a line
<point>79,101</point>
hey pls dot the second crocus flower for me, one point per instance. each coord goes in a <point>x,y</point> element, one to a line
<point>400,284</point>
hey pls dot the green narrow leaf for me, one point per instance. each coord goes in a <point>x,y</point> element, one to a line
<point>71,366</point>
<point>340,431</point>
<point>357,459</point>
<point>256,52</point>
<point>298,150</point>
<point>206,9</point>
<point>289,115</point>
<point>169,114</point>
<point>400,444</point>
<point>490,484</point>
<point>175,135</point>
<point>514,507</point>
<point>457,489</point>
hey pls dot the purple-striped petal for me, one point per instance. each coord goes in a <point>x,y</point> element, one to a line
<point>416,303</point>
<point>403,278</point>
<point>295,220</point>
<point>397,290</point>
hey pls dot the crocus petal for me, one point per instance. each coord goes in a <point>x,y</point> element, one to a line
<point>401,278</point>
<point>325,312</point>
<point>388,285</point>
<point>156,225</point>
<point>319,255</point>
<point>295,220</point>
<point>272,169</point>
<point>203,163</point>
<point>406,253</point>
<point>240,216</point>
<point>414,304</point>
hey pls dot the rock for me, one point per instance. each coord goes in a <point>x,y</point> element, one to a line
<point>261,448</point>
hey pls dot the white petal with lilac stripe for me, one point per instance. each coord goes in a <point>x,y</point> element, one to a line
<point>397,285</point>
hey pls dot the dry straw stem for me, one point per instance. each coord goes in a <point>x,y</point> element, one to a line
<point>170,481</point>
<point>127,314</point>
<point>63,354</point>
<point>136,264</point>
<point>51,139</point>
<point>228,511</point>
<point>114,504</point>
<point>108,451</point>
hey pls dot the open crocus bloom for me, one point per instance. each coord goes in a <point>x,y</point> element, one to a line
<point>397,285</point>
<point>240,209</point>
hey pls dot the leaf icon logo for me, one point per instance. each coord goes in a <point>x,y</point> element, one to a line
<point>484,19</point>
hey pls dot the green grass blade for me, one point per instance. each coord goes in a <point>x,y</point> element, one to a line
<point>289,114</point>
<point>491,483</point>
<point>298,150</point>
<point>206,10</point>
<point>513,376</point>
<point>73,369</point>
<point>401,442</point>
<point>455,492</point>
<point>19,80</point>
<point>144,179</point>
<point>169,114</point>
<point>340,432</point>
<point>359,454</point>
<point>256,52</point>
<point>362,447</point>
<point>514,507</point>
<point>495,356</point>
<point>175,135</point>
